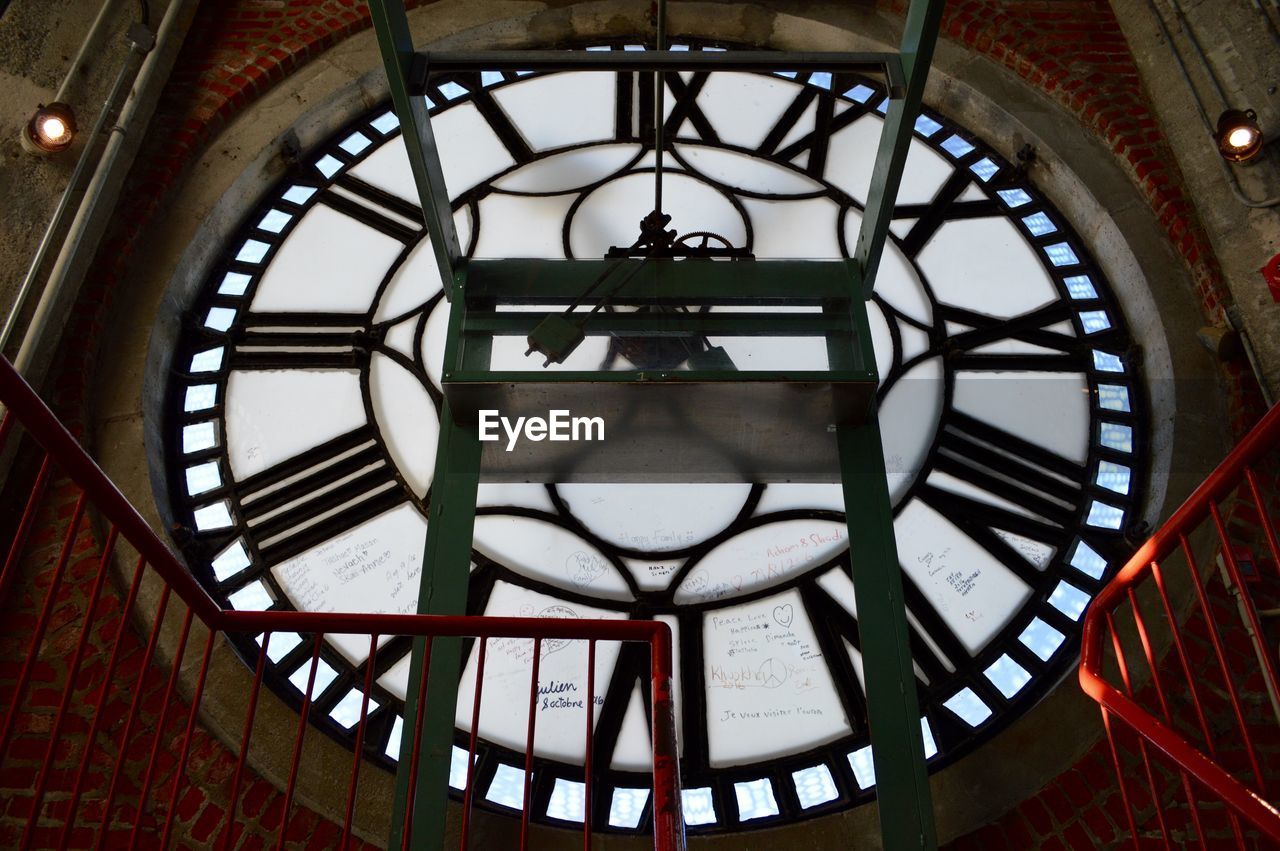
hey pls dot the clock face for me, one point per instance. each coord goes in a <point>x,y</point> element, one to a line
<point>304,413</point>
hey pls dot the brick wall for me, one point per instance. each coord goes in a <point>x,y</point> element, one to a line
<point>1071,50</point>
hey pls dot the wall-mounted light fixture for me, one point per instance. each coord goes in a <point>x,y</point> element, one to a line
<point>1238,135</point>
<point>52,128</point>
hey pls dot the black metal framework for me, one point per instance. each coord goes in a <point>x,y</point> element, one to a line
<point>1062,492</point>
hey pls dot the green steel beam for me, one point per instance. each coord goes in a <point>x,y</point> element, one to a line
<point>391,25</point>
<point>893,708</point>
<point>442,590</point>
<point>918,38</point>
<point>683,282</point>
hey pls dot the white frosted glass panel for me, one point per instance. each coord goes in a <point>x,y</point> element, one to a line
<point>1041,639</point>
<point>744,172</point>
<point>804,228</point>
<point>568,800</point>
<point>769,692</point>
<point>220,318</point>
<point>325,675</point>
<point>230,561</point>
<point>458,767</point>
<point>562,678</point>
<point>975,594</point>
<point>910,412</point>
<point>968,706</point>
<point>253,597</point>
<point>199,436</point>
<point>392,749</point>
<point>627,807</point>
<point>986,265</point>
<point>330,263</point>
<point>851,159</point>
<point>274,415</point>
<point>787,496</point>
<point>948,482</point>
<point>913,341</point>
<point>1105,516</point>
<point>209,360</point>
<point>569,171</point>
<point>407,419</point>
<point>814,786</point>
<point>930,746</point>
<point>1007,675</point>
<point>234,283</point>
<point>203,477</point>
<point>760,557</point>
<point>561,109</point>
<point>1069,600</point>
<point>652,575</point>
<point>200,397</point>
<point>610,215</point>
<point>839,585</point>
<point>547,552</point>
<point>864,770</point>
<point>1086,560</point>
<point>755,799</point>
<point>655,517</point>
<point>697,804</point>
<point>347,710</point>
<point>1033,551</point>
<point>282,644</point>
<point>524,226</point>
<point>215,516</point>
<point>1049,410</point>
<point>802,127</point>
<point>744,107</point>
<point>507,787</point>
<point>881,339</point>
<point>371,568</point>
<point>401,336</point>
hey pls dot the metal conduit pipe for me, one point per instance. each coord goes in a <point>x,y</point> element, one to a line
<point>140,42</point>
<point>87,47</point>
<point>100,195</point>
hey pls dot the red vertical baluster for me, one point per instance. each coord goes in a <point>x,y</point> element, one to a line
<point>234,800</point>
<point>64,704</point>
<point>1120,776</point>
<point>412,798</point>
<point>471,749</point>
<point>528,745</point>
<point>42,623</point>
<point>96,724</point>
<point>134,708</point>
<point>359,749</point>
<point>19,542</point>
<point>1142,743</point>
<point>668,818</point>
<point>1268,528</point>
<point>591,726</point>
<point>169,694</point>
<point>1164,708</point>
<point>1221,655</point>
<point>186,740</point>
<point>297,744</point>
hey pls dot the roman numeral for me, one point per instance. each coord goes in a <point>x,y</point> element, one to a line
<point>624,106</point>
<point>824,614</point>
<point>317,495</point>
<point>630,670</point>
<point>826,124</point>
<point>787,120</point>
<point>386,213</point>
<point>944,207</point>
<point>506,131</point>
<point>686,108</point>
<point>301,341</point>
<point>1067,353</point>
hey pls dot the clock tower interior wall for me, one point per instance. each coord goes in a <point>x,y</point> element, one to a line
<point>1062,75</point>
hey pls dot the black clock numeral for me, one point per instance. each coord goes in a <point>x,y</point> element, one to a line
<point>818,141</point>
<point>624,106</point>
<point>787,121</point>
<point>301,341</point>
<point>1066,352</point>
<point>686,109</point>
<point>943,208</point>
<point>630,671</point>
<point>500,123</point>
<point>371,206</point>
<point>317,495</point>
<point>824,614</point>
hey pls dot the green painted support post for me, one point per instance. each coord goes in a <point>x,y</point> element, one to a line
<point>391,25</point>
<point>918,38</point>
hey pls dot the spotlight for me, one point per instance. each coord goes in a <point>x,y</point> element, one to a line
<point>51,129</point>
<point>1239,137</point>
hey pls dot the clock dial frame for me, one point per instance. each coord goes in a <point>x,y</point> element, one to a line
<point>1052,522</point>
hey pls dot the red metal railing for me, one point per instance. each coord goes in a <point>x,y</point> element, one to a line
<point>109,705</point>
<point>1194,727</point>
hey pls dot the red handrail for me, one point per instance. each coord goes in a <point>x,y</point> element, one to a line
<point>63,454</point>
<point>1199,765</point>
